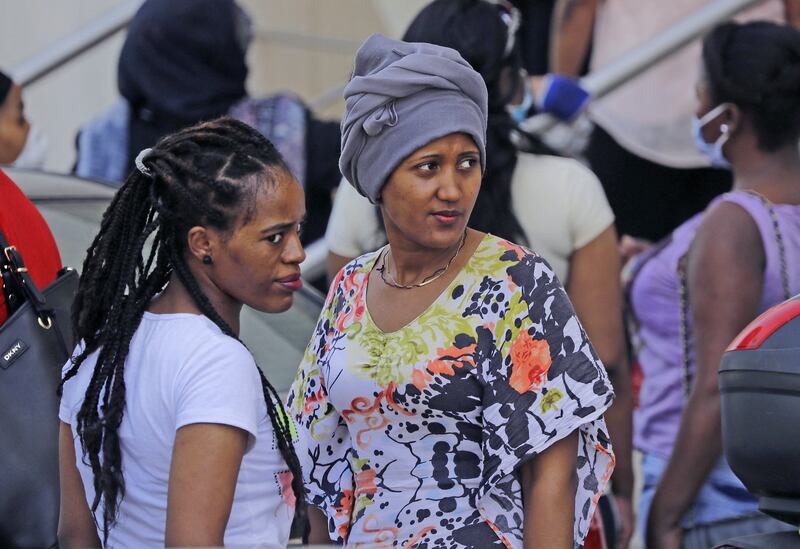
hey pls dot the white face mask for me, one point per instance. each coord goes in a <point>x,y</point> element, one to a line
<point>34,152</point>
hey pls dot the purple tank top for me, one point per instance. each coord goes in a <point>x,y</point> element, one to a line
<point>654,297</point>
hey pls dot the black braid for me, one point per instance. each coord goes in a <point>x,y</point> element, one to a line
<point>200,177</point>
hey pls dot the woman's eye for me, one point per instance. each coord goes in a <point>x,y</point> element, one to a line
<point>468,163</point>
<point>275,238</point>
<point>427,167</point>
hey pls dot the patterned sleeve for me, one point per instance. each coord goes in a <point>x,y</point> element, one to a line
<point>324,444</point>
<point>542,381</point>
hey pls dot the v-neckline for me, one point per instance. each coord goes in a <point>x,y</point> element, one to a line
<point>447,290</point>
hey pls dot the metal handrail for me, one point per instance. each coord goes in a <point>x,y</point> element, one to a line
<point>628,65</point>
<point>303,40</point>
<point>68,48</point>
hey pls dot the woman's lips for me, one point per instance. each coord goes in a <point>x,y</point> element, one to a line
<point>291,283</point>
<point>447,217</point>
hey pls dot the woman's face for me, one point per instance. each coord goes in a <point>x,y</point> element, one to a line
<point>429,197</point>
<point>14,127</point>
<point>258,262</point>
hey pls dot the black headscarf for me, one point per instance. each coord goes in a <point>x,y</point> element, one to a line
<point>5,86</point>
<point>183,61</point>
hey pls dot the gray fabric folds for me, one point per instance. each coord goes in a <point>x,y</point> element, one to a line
<point>401,97</point>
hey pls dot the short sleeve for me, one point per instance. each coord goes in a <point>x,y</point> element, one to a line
<point>324,445</point>
<point>542,381</point>
<point>353,227</point>
<point>589,211</point>
<point>66,406</point>
<point>218,383</point>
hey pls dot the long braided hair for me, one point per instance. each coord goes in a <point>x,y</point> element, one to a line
<point>206,175</point>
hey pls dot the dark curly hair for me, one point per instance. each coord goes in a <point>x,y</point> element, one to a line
<point>202,175</point>
<point>479,31</point>
<point>756,66</point>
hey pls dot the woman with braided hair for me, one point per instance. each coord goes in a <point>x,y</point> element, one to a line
<point>170,432</point>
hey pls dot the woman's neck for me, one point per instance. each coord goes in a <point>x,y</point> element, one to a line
<point>177,299</point>
<point>774,175</point>
<point>410,262</point>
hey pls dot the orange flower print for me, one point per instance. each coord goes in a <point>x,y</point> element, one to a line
<point>450,358</point>
<point>365,483</point>
<point>345,506</point>
<point>420,378</point>
<point>511,247</point>
<point>286,491</point>
<point>530,360</point>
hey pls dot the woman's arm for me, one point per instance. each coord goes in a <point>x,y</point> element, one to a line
<point>317,527</point>
<point>570,35</point>
<point>549,482</point>
<point>75,525</point>
<point>725,272</point>
<point>205,465</point>
<point>595,291</point>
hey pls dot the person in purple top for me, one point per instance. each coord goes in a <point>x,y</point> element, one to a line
<point>693,292</point>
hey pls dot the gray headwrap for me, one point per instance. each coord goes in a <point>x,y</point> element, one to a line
<point>403,96</point>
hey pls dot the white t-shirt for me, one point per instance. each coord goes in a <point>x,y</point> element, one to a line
<point>182,369</point>
<point>650,115</point>
<point>559,203</point>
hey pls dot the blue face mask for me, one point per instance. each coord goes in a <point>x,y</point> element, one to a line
<point>712,150</point>
<point>520,112</point>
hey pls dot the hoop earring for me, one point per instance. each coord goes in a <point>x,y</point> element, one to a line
<point>207,260</point>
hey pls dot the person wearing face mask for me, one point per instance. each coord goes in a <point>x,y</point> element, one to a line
<point>21,145</point>
<point>554,205</point>
<point>691,294</point>
<point>641,148</point>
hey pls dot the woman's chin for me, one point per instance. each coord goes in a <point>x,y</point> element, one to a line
<point>278,304</point>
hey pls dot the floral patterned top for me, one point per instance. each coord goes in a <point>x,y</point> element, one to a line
<point>412,438</point>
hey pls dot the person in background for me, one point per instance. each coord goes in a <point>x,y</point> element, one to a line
<point>695,291</point>
<point>184,61</point>
<point>171,435</point>
<point>552,204</point>
<point>26,229</point>
<point>21,145</point>
<point>449,396</point>
<point>641,147</point>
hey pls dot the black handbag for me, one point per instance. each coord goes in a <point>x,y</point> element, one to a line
<point>35,343</point>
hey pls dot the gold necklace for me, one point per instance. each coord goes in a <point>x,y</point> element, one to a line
<point>390,281</point>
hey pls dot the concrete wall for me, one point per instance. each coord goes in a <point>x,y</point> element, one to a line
<point>63,100</point>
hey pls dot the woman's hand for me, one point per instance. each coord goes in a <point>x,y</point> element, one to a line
<point>202,480</point>
<point>626,520</point>
<point>662,533</point>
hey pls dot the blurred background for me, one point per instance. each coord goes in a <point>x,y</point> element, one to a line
<point>305,46</point>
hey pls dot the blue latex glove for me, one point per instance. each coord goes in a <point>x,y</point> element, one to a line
<point>561,96</point>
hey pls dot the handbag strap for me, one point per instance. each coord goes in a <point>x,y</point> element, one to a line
<point>12,263</point>
<point>683,288</point>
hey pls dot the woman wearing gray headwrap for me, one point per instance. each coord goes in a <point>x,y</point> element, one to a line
<point>448,379</point>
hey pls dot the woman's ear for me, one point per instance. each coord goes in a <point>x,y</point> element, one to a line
<point>732,118</point>
<point>199,243</point>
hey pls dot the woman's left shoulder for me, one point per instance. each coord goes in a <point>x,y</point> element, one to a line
<point>504,256</point>
<point>732,218</point>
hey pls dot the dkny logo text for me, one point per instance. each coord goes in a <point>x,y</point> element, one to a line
<point>13,353</point>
